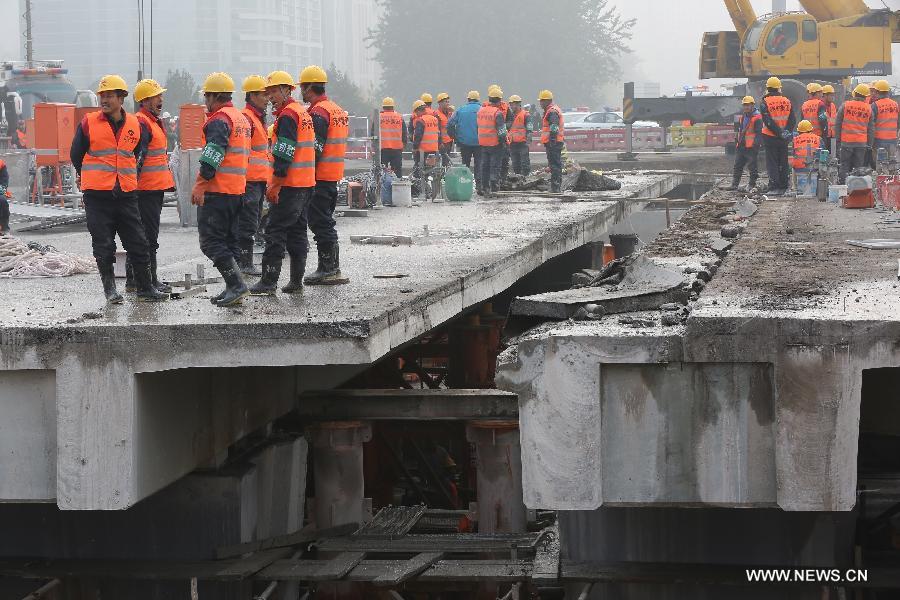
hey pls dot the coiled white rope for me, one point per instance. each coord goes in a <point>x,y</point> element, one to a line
<point>19,260</point>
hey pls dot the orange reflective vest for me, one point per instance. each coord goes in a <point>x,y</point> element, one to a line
<point>518,133</point>
<point>231,175</point>
<point>831,109</point>
<point>780,110</point>
<point>302,172</point>
<point>259,167</point>
<point>155,174</point>
<point>330,165</point>
<point>545,125</point>
<point>857,115</point>
<point>430,136</point>
<point>391,130</point>
<point>886,123</point>
<point>487,126</point>
<point>442,121</point>
<point>810,110</point>
<point>750,132</point>
<point>110,157</point>
<point>805,146</point>
<point>504,109</point>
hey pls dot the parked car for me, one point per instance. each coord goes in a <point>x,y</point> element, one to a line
<point>601,120</point>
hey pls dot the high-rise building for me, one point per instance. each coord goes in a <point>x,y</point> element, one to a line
<point>346,25</point>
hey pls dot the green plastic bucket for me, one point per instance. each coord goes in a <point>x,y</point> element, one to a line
<point>459,184</point>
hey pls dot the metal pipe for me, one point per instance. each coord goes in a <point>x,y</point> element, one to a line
<point>586,591</point>
<point>42,591</point>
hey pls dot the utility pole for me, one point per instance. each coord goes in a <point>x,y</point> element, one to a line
<point>29,50</point>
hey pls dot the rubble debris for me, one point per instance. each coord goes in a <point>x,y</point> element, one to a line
<point>384,240</point>
<point>637,321</point>
<point>21,260</point>
<point>578,179</point>
<point>731,231</point>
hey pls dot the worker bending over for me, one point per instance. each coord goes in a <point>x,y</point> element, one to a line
<point>815,111</point>
<point>106,151</point>
<point>221,184</point>
<point>463,127</point>
<point>259,170</point>
<point>855,132</point>
<point>806,144</point>
<point>4,194</point>
<point>886,124</point>
<point>778,124</point>
<point>492,139</point>
<point>293,182</point>
<point>332,127</point>
<point>519,137</point>
<point>393,136</point>
<point>749,138</point>
<point>552,137</point>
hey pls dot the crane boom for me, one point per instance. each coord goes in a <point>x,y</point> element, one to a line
<point>742,15</point>
<point>828,10</point>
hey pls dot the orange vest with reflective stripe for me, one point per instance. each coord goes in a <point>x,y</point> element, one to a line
<point>831,109</point>
<point>780,110</point>
<point>391,130</point>
<point>231,176</point>
<point>750,132</point>
<point>518,133</point>
<point>810,110</point>
<point>429,141</point>
<point>302,172</point>
<point>442,122</point>
<point>155,174</point>
<point>487,126</point>
<point>545,125</point>
<point>330,166</point>
<point>886,123</point>
<point>108,157</point>
<point>854,129</point>
<point>805,145</point>
<point>259,167</point>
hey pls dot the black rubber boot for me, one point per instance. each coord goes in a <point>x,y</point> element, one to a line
<point>246,263</point>
<point>146,291</point>
<point>215,299</point>
<point>268,283</point>
<point>298,268</point>
<point>165,288</point>
<point>235,289</point>
<point>329,272</point>
<point>555,188</point>
<point>108,277</point>
<point>130,283</point>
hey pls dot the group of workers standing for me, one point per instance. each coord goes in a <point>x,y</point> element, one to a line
<point>494,135</point>
<point>854,131</point>
<point>295,165</point>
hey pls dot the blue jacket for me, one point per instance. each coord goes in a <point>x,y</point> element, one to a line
<point>464,123</point>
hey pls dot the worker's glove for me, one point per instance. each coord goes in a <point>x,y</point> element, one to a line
<point>273,192</point>
<point>199,191</point>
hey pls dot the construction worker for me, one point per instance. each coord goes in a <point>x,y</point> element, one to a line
<point>854,131</point>
<point>393,136</point>
<point>815,111</point>
<point>221,183</point>
<point>496,91</point>
<point>443,114</point>
<point>292,184</point>
<point>332,128</point>
<point>746,153</point>
<point>553,135</point>
<point>154,176</point>
<point>463,127</point>
<point>4,194</point>
<point>806,143</point>
<point>519,137</point>
<point>778,125</point>
<point>831,111</point>
<point>106,151</point>
<point>886,123</point>
<point>259,170</point>
<point>492,139</point>
<point>427,136</point>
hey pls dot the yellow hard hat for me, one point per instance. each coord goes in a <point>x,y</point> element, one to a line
<point>545,95</point>
<point>147,88</point>
<point>218,83</point>
<point>280,78</point>
<point>426,98</point>
<point>773,83</point>
<point>813,88</point>
<point>313,74</point>
<point>515,98</point>
<point>827,89</point>
<point>254,83</point>
<point>388,102</point>
<point>882,85</point>
<point>111,83</point>
<point>862,90</point>
<point>804,126</point>
<point>418,104</point>
<point>474,95</point>
<point>443,96</point>
<point>495,92</point>
<point>748,100</point>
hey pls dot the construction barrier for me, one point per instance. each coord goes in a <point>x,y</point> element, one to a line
<point>719,135</point>
<point>691,136</point>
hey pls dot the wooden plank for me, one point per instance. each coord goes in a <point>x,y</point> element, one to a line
<point>253,564</point>
<point>413,544</point>
<point>304,536</point>
<point>546,558</point>
<point>399,404</point>
<point>409,569</point>
<point>370,570</point>
<point>338,567</point>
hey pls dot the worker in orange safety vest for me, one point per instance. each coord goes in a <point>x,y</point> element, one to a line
<point>854,131</point>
